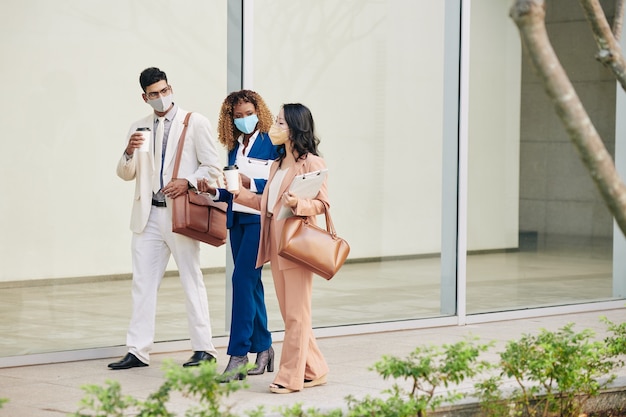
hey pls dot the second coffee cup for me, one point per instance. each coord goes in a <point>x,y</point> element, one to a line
<point>231,173</point>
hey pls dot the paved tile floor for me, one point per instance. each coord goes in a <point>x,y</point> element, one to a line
<point>54,390</point>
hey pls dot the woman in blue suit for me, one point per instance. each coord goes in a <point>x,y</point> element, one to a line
<point>242,128</point>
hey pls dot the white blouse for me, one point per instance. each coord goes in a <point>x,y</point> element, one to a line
<point>272,193</point>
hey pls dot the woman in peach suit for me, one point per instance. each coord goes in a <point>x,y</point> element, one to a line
<point>302,365</point>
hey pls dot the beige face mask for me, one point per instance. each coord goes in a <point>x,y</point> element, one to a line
<point>278,136</point>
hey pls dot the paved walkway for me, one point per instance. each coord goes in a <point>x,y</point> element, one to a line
<point>54,390</point>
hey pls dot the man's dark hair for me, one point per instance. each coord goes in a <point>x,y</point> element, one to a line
<point>150,76</point>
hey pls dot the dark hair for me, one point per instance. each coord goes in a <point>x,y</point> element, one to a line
<point>150,76</point>
<point>227,132</point>
<point>301,130</point>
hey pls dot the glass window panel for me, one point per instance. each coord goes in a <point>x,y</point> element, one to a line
<point>371,71</point>
<point>372,74</point>
<point>71,72</point>
<point>538,231</point>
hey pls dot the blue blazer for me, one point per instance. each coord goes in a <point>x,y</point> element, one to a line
<point>261,149</point>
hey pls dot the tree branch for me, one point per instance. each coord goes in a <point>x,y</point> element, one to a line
<point>618,19</point>
<point>609,51</point>
<point>529,16</point>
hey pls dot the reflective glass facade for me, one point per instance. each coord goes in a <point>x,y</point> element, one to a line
<point>449,174</point>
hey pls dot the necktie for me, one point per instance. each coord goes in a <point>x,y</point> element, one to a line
<point>158,156</point>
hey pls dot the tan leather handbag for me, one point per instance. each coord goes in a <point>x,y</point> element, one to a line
<point>314,248</point>
<point>196,215</point>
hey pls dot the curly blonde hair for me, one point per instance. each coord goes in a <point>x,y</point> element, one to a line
<point>227,132</point>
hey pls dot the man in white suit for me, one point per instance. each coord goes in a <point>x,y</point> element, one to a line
<point>151,221</point>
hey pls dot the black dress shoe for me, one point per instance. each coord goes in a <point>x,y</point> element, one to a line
<point>127,362</point>
<point>199,356</point>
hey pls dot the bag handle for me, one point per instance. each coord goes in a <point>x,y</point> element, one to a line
<point>330,227</point>
<point>181,142</point>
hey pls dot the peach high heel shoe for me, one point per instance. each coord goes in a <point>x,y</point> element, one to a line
<point>310,383</point>
<point>279,389</point>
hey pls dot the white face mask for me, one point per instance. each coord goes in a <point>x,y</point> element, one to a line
<point>162,103</point>
<point>278,136</point>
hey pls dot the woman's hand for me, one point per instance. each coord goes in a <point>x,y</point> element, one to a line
<point>290,200</point>
<point>245,180</point>
<point>204,187</point>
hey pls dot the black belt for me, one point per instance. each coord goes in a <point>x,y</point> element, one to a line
<point>158,203</point>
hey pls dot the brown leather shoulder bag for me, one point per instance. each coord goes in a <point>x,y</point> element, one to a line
<point>194,214</point>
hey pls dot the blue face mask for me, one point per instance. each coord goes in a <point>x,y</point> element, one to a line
<point>247,124</point>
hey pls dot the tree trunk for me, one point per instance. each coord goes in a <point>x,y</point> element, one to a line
<point>529,16</point>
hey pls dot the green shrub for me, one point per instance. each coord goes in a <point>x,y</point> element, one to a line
<point>202,383</point>
<point>551,373</point>
<point>297,411</point>
<point>616,342</point>
<point>430,370</point>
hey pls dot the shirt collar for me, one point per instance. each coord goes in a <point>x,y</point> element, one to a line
<point>254,135</point>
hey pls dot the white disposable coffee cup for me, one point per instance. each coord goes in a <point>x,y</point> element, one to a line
<point>147,137</point>
<point>231,173</point>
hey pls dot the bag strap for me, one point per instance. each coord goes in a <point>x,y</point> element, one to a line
<point>181,142</point>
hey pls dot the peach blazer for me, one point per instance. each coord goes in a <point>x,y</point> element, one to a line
<point>305,207</point>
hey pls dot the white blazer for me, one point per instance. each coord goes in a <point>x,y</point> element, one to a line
<point>199,160</point>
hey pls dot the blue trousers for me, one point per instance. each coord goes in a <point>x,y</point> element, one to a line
<point>248,327</point>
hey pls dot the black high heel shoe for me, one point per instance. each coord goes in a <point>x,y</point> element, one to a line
<point>264,360</point>
<point>234,363</point>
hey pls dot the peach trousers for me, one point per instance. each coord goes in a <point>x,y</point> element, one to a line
<point>301,358</point>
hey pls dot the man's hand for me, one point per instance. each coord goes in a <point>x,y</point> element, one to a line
<point>134,142</point>
<point>176,188</point>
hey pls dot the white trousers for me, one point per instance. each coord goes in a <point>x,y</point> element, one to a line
<point>151,251</point>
